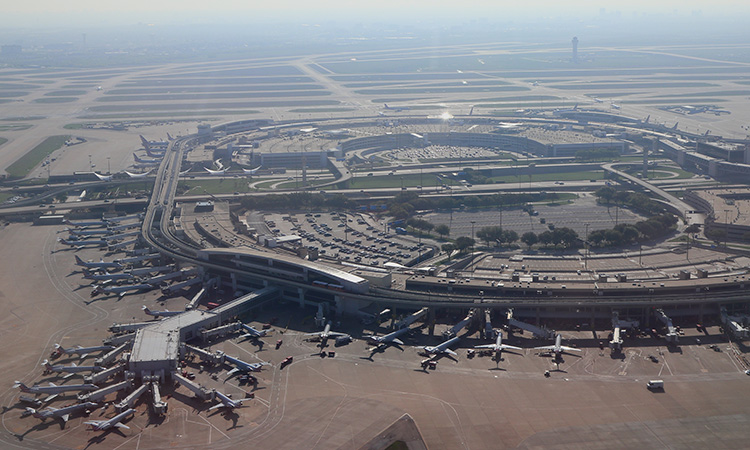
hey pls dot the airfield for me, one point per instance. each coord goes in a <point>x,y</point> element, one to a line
<point>591,401</point>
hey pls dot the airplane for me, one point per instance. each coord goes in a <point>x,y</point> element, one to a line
<point>85,232</point>
<point>71,369</point>
<point>441,349</point>
<point>106,276</point>
<point>326,334</point>
<point>252,333</point>
<point>61,413</point>
<point>137,259</point>
<point>139,175</point>
<point>117,236</point>
<point>226,402</point>
<point>498,346</point>
<point>598,100</point>
<point>146,161</point>
<point>216,172</point>
<point>100,425</point>
<point>169,138</point>
<point>103,177</point>
<point>242,366</point>
<point>84,223</point>
<point>111,247</point>
<point>148,270</point>
<point>82,351</point>
<point>54,389</point>
<point>125,226</point>
<point>558,348</point>
<point>83,243</point>
<point>251,171</point>
<point>614,105</point>
<point>149,151</point>
<point>396,108</point>
<point>82,197</point>
<point>158,314</point>
<point>97,265</point>
<point>389,339</point>
<point>121,290</point>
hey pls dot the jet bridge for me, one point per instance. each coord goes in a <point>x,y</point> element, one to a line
<point>489,332</point>
<point>408,320</point>
<point>160,407</point>
<point>539,332</point>
<point>734,324</point>
<point>104,375</point>
<point>617,325</point>
<point>109,357</point>
<point>196,300</point>
<point>199,391</point>
<point>220,331</point>
<point>212,358</point>
<point>118,328</point>
<point>453,331</point>
<point>671,335</point>
<point>119,340</point>
<point>97,396</point>
<point>130,400</point>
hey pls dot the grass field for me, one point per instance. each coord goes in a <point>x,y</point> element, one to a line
<point>394,181</point>
<point>220,186</point>
<point>3,140</point>
<point>563,176</point>
<point>199,107</point>
<point>36,155</point>
<point>55,99</point>
<point>15,127</point>
<point>65,93</point>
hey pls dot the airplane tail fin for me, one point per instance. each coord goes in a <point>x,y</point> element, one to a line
<point>18,384</point>
<point>79,261</point>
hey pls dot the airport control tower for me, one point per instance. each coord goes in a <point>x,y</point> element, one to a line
<point>575,48</point>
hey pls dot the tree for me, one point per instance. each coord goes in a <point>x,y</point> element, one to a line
<point>490,234</point>
<point>545,237</point>
<point>529,238</point>
<point>464,243</point>
<point>442,229</point>
<point>692,229</point>
<point>448,248</point>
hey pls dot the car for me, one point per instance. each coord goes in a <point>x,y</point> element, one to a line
<point>747,372</point>
<point>287,360</point>
<point>653,358</point>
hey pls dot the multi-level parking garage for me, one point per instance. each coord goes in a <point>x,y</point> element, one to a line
<point>692,291</point>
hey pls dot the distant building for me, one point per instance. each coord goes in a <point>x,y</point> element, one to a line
<point>575,49</point>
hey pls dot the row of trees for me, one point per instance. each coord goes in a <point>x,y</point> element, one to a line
<point>626,234</point>
<point>636,201</point>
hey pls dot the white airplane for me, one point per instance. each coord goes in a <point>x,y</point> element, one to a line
<point>598,100</point>
<point>85,232</point>
<point>498,346</point>
<point>79,244</point>
<point>71,369</point>
<point>125,226</point>
<point>252,333</point>
<point>558,348</point>
<point>118,236</point>
<point>614,105</point>
<point>111,247</point>
<point>117,219</point>
<point>139,175</point>
<point>216,172</point>
<point>146,161</point>
<point>441,349</point>
<point>121,290</point>
<point>326,334</point>
<point>137,259</point>
<point>158,314</point>
<point>103,177</point>
<point>83,352</point>
<point>54,389</point>
<point>86,223</point>
<point>61,413</point>
<point>396,108</point>
<point>97,265</point>
<point>100,425</point>
<point>390,338</point>
<point>251,171</point>
<point>242,366</point>
<point>106,276</point>
<point>226,402</point>
<point>150,151</point>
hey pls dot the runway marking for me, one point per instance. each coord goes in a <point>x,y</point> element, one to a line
<point>213,426</point>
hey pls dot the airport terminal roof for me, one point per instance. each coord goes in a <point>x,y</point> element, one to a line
<point>161,341</point>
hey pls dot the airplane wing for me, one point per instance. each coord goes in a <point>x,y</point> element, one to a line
<point>216,406</point>
<point>334,334</point>
<point>548,347</point>
<point>233,371</point>
<point>450,352</point>
<point>119,425</point>
<point>65,417</point>
<point>51,397</point>
<point>397,341</point>
<point>510,347</point>
<point>570,349</point>
<point>492,346</point>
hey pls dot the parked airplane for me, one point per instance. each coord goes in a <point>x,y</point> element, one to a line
<point>103,177</point>
<point>151,151</point>
<point>118,219</point>
<point>146,161</point>
<point>390,338</point>
<point>252,333</point>
<point>118,245</point>
<point>142,271</point>
<point>598,100</point>
<point>118,236</point>
<point>97,265</point>
<point>498,346</point>
<point>326,334</point>
<point>242,366</point>
<point>83,352</point>
<point>251,171</point>
<point>396,108</point>
<point>100,425</point>
<point>441,349</point>
<point>61,413</point>
<point>126,226</point>
<point>71,369</point>
<point>106,276</point>
<point>226,402</point>
<point>216,172</point>
<point>85,232</point>
<point>139,175</point>
<point>83,243</point>
<point>121,290</point>
<point>558,349</point>
<point>86,223</point>
<point>158,314</point>
<point>54,389</point>
<point>137,259</point>
<point>614,105</point>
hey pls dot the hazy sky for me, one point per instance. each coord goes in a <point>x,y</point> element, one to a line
<point>77,12</point>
